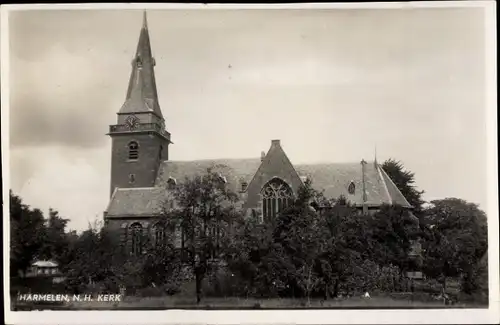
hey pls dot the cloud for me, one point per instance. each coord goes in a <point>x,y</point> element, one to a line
<point>70,181</point>
<point>58,99</point>
<point>330,84</point>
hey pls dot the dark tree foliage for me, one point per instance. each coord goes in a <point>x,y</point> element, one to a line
<point>27,235</point>
<point>457,239</point>
<point>317,247</point>
<point>392,230</point>
<point>405,182</point>
<point>56,239</point>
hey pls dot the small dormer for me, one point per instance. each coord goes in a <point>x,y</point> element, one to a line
<point>243,185</point>
<point>171,183</point>
<point>351,188</point>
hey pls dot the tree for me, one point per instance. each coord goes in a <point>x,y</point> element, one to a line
<point>56,240</point>
<point>248,256</point>
<point>393,230</point>
<point>458,238</point>
<point>203,209</point>
<point>299,241</point>
<point>347,246</point>
<point>405,182</point>
<point>97,257</point>
<point>27,234</point>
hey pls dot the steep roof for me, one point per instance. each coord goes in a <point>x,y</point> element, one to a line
<point>332,178</point>
<point>142,95</point>
<point>274,164</point>
<point>144,201</point>
<point>235,170</point>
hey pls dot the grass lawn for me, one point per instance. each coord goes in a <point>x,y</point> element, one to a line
<point>251,303</point>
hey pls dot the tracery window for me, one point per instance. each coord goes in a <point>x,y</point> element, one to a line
<point>133,150</point>
<point>276,196</point>
<point>136,238</point>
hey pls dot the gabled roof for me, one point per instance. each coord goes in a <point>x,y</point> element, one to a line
<point>331,178</point>
<point>275,164</point>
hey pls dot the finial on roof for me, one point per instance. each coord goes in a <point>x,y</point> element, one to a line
<point>144,20</point>
<point>375,154</point>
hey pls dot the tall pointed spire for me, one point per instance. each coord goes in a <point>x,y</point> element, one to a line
<point>144,20</point>
<point>142,95</point>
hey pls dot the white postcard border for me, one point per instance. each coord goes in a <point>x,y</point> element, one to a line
<point>445,316</point>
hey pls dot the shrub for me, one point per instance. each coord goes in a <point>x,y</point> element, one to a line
<point>372,278</point>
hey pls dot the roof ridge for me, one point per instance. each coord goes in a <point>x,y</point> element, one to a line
<point>211,159</point>
<point>394,185</point>
<point>257,158</point>
<point>385,184</point>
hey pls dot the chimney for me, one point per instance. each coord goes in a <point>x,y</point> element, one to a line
<point>262,155</point>
<point>275,142</point>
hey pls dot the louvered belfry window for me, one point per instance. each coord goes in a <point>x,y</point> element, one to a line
<point>133,150</point>
<point>276,196</point>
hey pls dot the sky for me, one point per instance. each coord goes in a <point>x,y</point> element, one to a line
<point>330,84</point>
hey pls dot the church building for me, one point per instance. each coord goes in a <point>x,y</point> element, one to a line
<point>142,172</point>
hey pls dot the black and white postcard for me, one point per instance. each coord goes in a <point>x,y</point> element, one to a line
<point>250,164</point>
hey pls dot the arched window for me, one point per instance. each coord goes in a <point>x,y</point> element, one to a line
<point>160,153</point>
<point>159,233</point>
<point>136,238</point>
<point>133,150</point>
<point>351,188</point>
<point>131,178</point>
<point>276,196</point>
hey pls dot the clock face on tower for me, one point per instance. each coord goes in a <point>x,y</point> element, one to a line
<point>131,122</point>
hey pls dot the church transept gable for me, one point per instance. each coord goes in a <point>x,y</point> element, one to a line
<point>275,165</point>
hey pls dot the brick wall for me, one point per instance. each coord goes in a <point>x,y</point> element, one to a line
<point>144,169</point>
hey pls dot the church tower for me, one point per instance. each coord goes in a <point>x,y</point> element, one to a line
<point>139,139</point>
